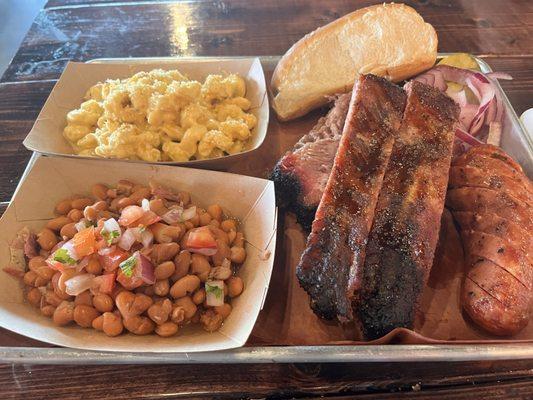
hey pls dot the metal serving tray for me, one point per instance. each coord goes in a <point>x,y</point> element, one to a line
<point>515,140</point>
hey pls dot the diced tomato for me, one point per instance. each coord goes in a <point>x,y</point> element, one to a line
<point>55,264</point>
<point>105,283</point>
<point>130,214</point>
<point>201,238</point>
<point>133,216</point>
<point>148,218</point>
<point>84,242</point>
<point>112,258</point>
<point>100,244</point>
<point>129,283</point>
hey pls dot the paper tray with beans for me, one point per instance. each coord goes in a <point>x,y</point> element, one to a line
<point>133,258</point>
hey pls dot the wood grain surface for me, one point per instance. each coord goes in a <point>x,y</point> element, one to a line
<point>499,31</point>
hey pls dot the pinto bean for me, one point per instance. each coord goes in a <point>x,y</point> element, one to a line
<point>182,262</point>
<point>235,286</point>
<point>85,298</point>
<point>81,203</point>
<point>228,225</point>
<point>75,215</point>
<point>164,270</point>
<point>68,231</point>
<point>99,191</point>
<point>46,239</point>
<point>57,223</point>
<point>200,266</point>
<point>167,329</point>
<point>215,211</point>
<point>84,315</point>
<point>186,285</point>
<point>63,207</point>
<point>188,306</point>
<point>164,252</point>
<point>166,233</point>
<point>224,310</point>
<point>238,254</point>
<point>112,324</point>
<point>140,193</point>
<point>139,325</point>
<point>34,297</point>
<point>64,313</point>
<point>130,304</point>
<point>205,218</point>
<point>160,311</point>
<point>161,287</point>
<point>103,302</point>
<point>158,206</point>
<point>199,296</point>
<point>223,252</point>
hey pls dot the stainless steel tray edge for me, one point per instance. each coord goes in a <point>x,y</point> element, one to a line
<point>275,354</point>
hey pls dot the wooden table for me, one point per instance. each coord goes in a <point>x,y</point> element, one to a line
<point>498,31</point>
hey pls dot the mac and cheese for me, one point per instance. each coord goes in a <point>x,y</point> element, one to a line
<point>162,116</point>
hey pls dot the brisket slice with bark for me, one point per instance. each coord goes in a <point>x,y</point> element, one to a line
<point>301,175</point>
<point>404,233</point>
<point>330,267</point>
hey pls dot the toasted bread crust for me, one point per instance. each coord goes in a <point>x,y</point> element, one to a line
<point>409,55</point>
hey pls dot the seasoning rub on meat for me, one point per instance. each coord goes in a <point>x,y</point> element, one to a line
<point>404,234</point>
<point>301,175</point>
<point>330,267</point>
<point>491,199</point>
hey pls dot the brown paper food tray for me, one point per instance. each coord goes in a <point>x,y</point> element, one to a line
<point>275,338</point>
<point>51,179</point>
<point>46,135</point>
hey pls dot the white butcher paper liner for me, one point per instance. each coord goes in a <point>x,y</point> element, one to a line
<point>52,179</point>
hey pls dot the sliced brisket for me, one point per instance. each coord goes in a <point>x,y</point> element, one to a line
<point>301,175</point>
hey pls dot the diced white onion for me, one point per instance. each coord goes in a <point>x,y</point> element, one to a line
<point>145,204</point>
<point>106,250</point>
<point>127,239</point>
<point>69,247</point>
<point>188,213</point>
<point>78,284</point>
<point>211,299</point>
<point>137,233</point>
<point>172,216</point>
<point>111,225</point>
<point>80,225</point>
<point>147,238</point>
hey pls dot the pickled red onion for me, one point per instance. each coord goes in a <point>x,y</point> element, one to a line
<point>473,116</point>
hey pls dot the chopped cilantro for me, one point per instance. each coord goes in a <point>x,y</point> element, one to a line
<point>62,256</point>
<point>127,266</point>
<point>109,236</point>
<point>215,290</point>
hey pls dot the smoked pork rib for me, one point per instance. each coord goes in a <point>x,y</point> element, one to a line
<point>404,234</point>
<point>329,268</point>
